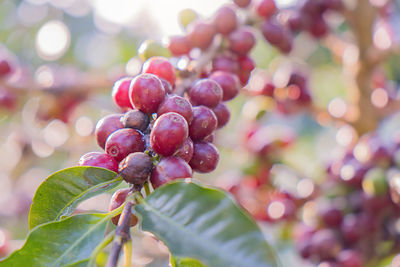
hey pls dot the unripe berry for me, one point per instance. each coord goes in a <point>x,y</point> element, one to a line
<point>266,8</point>
<point>242,41</point>
<point>169,169</point>
<point>161,67</point>
<point>229,83</point>
<point>205,157</point>
<point>146,93</point>
<point>123,142</point>
<point>179,45</point>
<point>169,133</point>
<point>222,113</point>
<point>201,34</point>
<point>120,93</point>
<point>135,168</point>
<point>98,159</point>
<point>186,150</point>
<point>177,104</point>
<point>151,48</point>
<point>374,183</point>
<point>225,20</point>
<point>117,199</point>
<point>107,126</point>
<point>187,16</point>
<point>203,124</point>
<point>136,119</point>
<point>206,92</point>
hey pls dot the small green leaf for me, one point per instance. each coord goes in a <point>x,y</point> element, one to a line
<point>185,262</point>
<point>68,242</point>
<point>204,224</point>
<point>62,191</point>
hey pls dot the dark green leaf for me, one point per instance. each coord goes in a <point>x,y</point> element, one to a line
<point>204,224</point>
<point>62,191</point>
<point>68,242</point>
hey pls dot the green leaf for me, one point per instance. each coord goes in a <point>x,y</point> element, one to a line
<point>204,224</point>
<point>62,191</point>
<point>68,242</point>
<point>185,262</point>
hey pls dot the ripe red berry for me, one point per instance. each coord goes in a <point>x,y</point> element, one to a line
<point>349,258</point>
<point>296,22</point>
<point>298,79</point>
<point>5,68</point>
<point>242,3</point>
<point>123,142</point>
<point>120,93</point>
<point>205,157</point>
<point>206,92</point>
<point>222,113</point>
<point>225,20</point>
<point>203,124</point>
<point>210,138</point>
<point>8,99</point>
<point>225,63</point>
<point>246,63</point>
<point>169,133</point>
<point>169,169</point>
<point>107,126</point>
<point>135,168</point>
<point>325,244</point>
<point>318,28</point>
<point>177,104</point>
<point>266,8</point>
<point>146,93</point>
<point>186,150</point>
<point>201,34</point>
<point>167,86</point>
<point>272,32</point>
<point>242,41</point>
<point>117,199</point>
<point>229,83</point>
<point>268,89</point>
<point>179,45</point>
<point>332,217</point>
<point>161,67</point>
<point>136,119</point>
<point>98,159</point>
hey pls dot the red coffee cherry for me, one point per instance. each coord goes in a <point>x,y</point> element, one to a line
<point>146,93</point>
<point>225,20</point>
<point>246,63</point>
<point>206,92</point>
<point>161,67</point>
<point>135,168</point>
<point>205,157</point>
<point>120,93</point>
<point>186,150</point>
<point>117,199</point>
<point>242,41</point>
<point>201,34</point>
<point>272,32</point>
<point>123,142</point>
<point>222,113</point>
<point>167,86</point>
<point>179,45</point>
<point>350,258</point>
<point>169,133</point>
<point>177,104</point>
<point>242,3</point>
<point>203,124</point>
<point>266,8</point>
<point>169,169</point>
<point>225,63</point>
<point>229,83</point>
<point>98,159</point>
<point>5,68</point>
<point>136,119</point>
<point>107,126</point>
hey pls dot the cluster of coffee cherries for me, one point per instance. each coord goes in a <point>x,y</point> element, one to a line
<point>8,98</point>
<point>162,136</point>
<point>361,214</point>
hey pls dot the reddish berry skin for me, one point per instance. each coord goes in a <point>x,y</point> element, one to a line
<point>229,83</point>
<point>210,138</point>
<point>177,104</point>
<point>201,34</point>
<point>298,79</point>
<point>169,169</point>
<point>225,20</point>
<point>318,28</point>
<point>123,142</point>
<point>107,126</point>
<point>268,89</point>
<point>5,68</point>
<point>242,41</point>
<point>136,119</point>
<point>169,133</point>
<point>146,93</point>
<point>98,159</point>
<point>205,157</point>
<point>325,244</point>
<point>167,86</point>
<point>351,228</point>
<point>186,150</point>
<point>223,114</point>
<point>8,99</point>
<point>161,67</point>
<point>266,8</point>
<point>206,92</point>
<point>203,124</point>
<point>179,45</point>
<point>242,3</point>
<point>349,258</point>
<point>246,63</point>
<point>117,199</point>
<point>296,23</point>
<point>120,93</point>
<point>225,63</point>
<point>135,168</point>
<point>272,32</point>
<point>332,217</point>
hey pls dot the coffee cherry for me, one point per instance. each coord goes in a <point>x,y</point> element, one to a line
<point>117,199</point>
<point>5,68</point>
<point>146,93</point>
<point>332,217</point>
<point>242,41</point>
<point>222,113</point>
<point>8,99</point>
<point>246,64</point>
<point>318,28</point>
<point>297,79</point>
<point>268,89</point>
<point>107,126</point>
<point>242,3</point>
<point>205,157</point>
<point>123,142</point>
<point>169,169</point>
<point>266,8</point>
<point>120,93</point>
<point>210,138</point>
<point>374,182</point>
<point>206,92</point>
<point>325,244</point>
<point>351,228</point>
<point>169,133</point>
<point>151,48</point>
<point>136,119</point>
<point>98,159</point>
<point>187,16</point>
<point>229,83</point>
<point>177,104</point>
<point>167,86</point>
<point>296,23</point>
<point>203,124</point>
<point>160,67</point>
<point>225,20</point>
<point>135,168</point>
<point>186,150</point>
<point>272,32</point>
<point>179,45</point>
<point>349,258</point>
<point>225,63</point>
<point>201,34</point>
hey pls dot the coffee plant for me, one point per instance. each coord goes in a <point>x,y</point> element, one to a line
<point>166,129</point>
